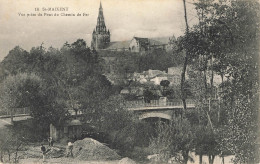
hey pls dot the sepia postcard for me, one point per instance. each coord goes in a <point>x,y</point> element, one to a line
<point>129,81</point>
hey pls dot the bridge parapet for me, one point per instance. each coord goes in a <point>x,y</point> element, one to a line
<point>157,103</point>
<point>16,111</point>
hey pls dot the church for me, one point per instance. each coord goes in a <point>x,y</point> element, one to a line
<point>101,40</point>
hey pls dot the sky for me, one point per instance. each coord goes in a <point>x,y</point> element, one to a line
<point>124,19</point>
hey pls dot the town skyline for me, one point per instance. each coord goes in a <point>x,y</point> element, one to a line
<point>125,19</point>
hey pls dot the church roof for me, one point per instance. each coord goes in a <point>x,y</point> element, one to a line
<point>162,40</point>
<point>154,42</point>
<point>118,45</point>
<point>142,41</point>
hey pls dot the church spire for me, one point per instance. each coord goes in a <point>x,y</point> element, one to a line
<point>100,35</point>
<point>100,6</point>
<point>101,27</point>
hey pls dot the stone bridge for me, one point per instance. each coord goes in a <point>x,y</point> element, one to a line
<point>162,109</point>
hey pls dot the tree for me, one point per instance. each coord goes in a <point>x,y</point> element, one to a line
<point>29,91</point>
<point>16,61</point>
<point>20,91</point>
<point>113,118</point>
<point>226,41</point>
<point>185,58</point>
<point>165,83</point>
<point>113,114</point>
<point>149,95</point>
<point>11,143</point>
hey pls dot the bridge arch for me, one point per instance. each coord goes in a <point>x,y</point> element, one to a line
<point>154,115</point>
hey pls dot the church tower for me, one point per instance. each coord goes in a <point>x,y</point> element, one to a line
<point>100,35</point>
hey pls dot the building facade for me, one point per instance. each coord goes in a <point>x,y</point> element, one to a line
<point>139,44</point>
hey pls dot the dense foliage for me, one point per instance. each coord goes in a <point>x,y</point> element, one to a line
<point>225,42</point>
<point>52,82</point>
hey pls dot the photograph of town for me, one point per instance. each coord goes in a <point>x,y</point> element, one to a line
<point>129,81</point>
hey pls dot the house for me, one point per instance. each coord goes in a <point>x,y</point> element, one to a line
<point>71,129</point>
<point>175,75</point>
<point>157,80</point>
<point>152,73</point>
<point>173,79</point>
<point>155,77</point>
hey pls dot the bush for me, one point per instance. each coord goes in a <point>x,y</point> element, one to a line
<point>172,140</point>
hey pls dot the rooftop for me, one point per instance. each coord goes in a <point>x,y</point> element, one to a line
<point>118,45</point>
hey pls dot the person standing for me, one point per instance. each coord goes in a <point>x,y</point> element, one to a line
<point>50,140</point>
<point>69,149</point>
<point>43,149</point>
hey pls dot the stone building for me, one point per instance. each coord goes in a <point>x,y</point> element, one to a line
<point>139,44</point>
<point>100,35</point>
<point>71,129</point>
